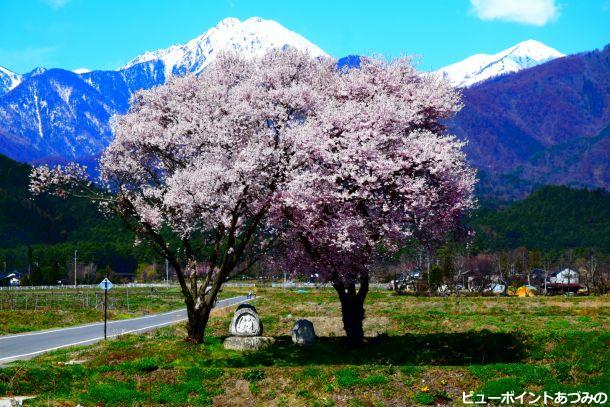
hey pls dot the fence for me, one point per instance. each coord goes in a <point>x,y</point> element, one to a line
<point>93,286</point>
<point>127,299</point>
<point>292,284</point>
<point>81,286</point>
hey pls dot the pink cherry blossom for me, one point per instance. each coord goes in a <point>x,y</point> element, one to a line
<point>378,173</point>
<point>336,165</point>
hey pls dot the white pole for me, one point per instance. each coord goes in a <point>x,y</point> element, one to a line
<point>75,268</point>
<point>166,272</point>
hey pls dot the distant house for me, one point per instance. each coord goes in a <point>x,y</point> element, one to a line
<point>407,281</point>
<point>11,279</point>
<point>565,276</point>
<point>566,280</point>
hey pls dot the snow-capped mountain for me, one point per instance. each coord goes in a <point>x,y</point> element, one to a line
<point>8,80</point>
<point>56,115</point>
<point>251,37</point>
<point>481,67</point>
<point>64,114</point>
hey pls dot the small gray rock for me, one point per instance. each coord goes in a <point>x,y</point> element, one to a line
<point>246,322</point>
<point>303,333</point>
<point>242,343</point>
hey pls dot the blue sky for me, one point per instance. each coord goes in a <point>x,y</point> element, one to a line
<point>105,34</point>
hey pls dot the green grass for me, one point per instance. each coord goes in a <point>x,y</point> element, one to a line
<point>254,375</point>
<point>420,351</point>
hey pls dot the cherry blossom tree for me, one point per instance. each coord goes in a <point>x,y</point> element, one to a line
<point>197,164</point>
<point>341,165</point>
<point>379,173</point>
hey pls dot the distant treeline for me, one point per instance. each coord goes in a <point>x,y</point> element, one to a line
<point>553,218</point>
<point>40,234</point>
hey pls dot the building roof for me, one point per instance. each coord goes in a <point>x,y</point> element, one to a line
<point>13,274</point>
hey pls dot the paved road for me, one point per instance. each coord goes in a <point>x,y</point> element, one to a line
<point>27,345</point>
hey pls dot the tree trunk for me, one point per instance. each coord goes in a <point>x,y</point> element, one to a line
<point>197,322</point>
<point>198,317</point>
<point>352,309</point>
<point>353,315</point>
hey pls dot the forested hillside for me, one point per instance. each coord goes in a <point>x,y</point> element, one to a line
<point>46,230</point>
<point>28,220</point>
<point>552,218</point>
<point>543,125</point>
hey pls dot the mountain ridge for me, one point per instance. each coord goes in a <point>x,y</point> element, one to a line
<point>481,67</point>
<point>32,132</point>
<point>521,126</point>
<point>252,37</point>
<point>545,124</point>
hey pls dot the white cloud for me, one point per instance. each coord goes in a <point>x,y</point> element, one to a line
<point>533,12</point>
<point>56,3</point>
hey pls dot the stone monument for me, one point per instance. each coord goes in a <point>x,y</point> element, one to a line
<point>303,333</point>
<point>246,322</point>
<point>246,330</point>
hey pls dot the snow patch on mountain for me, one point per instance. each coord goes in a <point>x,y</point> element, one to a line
<point>481,67</point>
<point>251,38</point>
<point>64,92</point>
<point>8,80</point>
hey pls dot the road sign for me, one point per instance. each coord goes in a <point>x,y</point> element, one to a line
<point>105,284</point>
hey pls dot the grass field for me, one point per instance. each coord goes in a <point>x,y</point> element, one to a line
<point>420,351</point>
<point>31,310</point>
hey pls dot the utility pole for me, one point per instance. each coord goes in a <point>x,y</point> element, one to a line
<point>546,276</point>
<point>75,268</point>
<point>166,272</point>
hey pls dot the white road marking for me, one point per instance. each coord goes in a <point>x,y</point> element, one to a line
<point>10,358</point>
<point>87,325</point>
<point>92,340</point>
